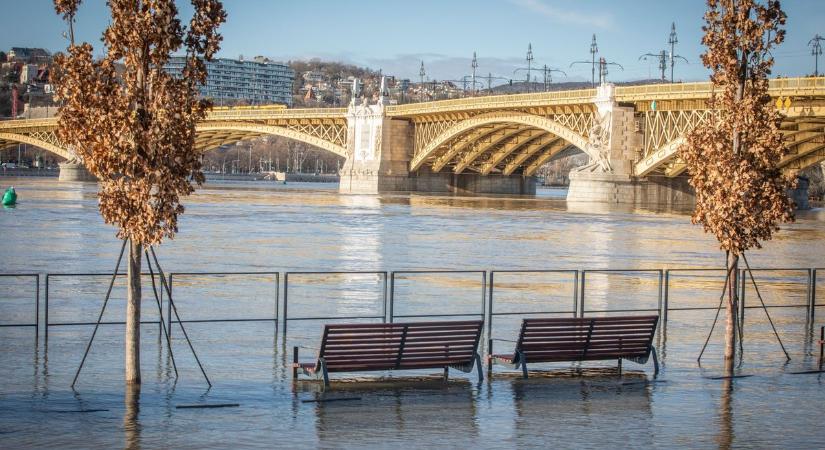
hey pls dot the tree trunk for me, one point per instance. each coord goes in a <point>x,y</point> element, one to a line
<point>730,313</point>
<point>132,338</point>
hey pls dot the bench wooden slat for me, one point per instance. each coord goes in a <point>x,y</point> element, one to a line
<point>415,345</point>
<point>583,339</point>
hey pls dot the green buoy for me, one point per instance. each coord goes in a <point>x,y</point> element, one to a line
<point>10,197</point>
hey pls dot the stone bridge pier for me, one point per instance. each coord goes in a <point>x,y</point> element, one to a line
<point>380,149</point>
<point>616,143</point>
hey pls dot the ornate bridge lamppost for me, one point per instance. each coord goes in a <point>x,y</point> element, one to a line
<point>548,74</point>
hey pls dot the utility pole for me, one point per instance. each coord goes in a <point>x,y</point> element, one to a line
<point>529,63</point>
<point>474,65</point>
<point>816,50</point>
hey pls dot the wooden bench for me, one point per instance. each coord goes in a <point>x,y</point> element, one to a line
<point>582,339</point>
<point>395,346</point>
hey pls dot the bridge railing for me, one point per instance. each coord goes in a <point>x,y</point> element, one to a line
<point>300,113</point>
<point>577,96</point>
<point>676,91</point>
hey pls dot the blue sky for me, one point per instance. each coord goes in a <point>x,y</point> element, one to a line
<point>396,36</point>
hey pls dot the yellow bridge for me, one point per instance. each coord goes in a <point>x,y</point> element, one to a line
<point>632,134</point>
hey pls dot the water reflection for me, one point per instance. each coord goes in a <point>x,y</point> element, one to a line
<point>550,411</point>
<point>373,413</point>
<point>725,436</point>
<point>131,422</point>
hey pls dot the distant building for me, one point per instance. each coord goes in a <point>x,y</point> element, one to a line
<point>314,76</point>
<point>28,55</point>
<point>28,73</point>
<point>229,81</point>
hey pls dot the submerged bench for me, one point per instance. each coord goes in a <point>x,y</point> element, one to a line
<point>395,346</point>
<point>582,339</point>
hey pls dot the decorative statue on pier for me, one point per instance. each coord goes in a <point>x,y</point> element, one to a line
<point>598,147</point>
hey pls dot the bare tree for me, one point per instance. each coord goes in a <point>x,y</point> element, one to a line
<point>733,159</point>
<point>134,129</point>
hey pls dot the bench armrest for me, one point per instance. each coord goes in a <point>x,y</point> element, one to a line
<point>306,347</point>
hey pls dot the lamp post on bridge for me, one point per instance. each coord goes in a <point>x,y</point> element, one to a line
<point>816,51</point>
<point>529,63</point>
<point>474,65</point>
<point>603,63</point>
<point>421,73</point>
<point>594,50</point>
<point>548,74</point>
<point>490,79</point>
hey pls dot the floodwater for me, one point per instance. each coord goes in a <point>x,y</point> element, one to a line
<point>255,230</point>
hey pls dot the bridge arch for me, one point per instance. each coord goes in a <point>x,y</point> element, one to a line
<point>522,137</point>
<point>209,135</point>
<point>36,140</point>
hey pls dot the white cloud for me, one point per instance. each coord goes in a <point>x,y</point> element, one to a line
<point>566,15</point>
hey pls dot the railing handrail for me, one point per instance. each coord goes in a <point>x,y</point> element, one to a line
<point>487,307</point>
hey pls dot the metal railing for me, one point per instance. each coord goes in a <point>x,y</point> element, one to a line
<point>180,275</point>
<point>47,305</point>
<point>395,275</point>
<point>286,318</point>
<point>36,322</point>
<point>491,295</point>
<point>583,286</point>
<point>387,293</point>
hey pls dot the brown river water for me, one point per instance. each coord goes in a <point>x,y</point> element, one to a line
<point>259,232</point>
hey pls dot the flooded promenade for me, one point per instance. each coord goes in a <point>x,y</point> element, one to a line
<point>257,228</point>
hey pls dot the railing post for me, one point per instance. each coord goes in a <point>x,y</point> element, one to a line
<point>575,292</point>
<point>286,301</point>
<point>392,296</point>
<point>483,295</point>
<point>811,295</point>
<point>385,296</point>
<point>581,294</point>
<point>169,308</point>
<point>665,296</point>
<point>46,312</point>
<point>661,289</point>
<point>277,298</point>
<point>489,311</point>
<point>743,287</point>
<point>37,306</point>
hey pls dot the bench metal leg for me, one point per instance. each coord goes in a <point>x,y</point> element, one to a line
<point>294,363</point>
<point>490,357</point>
<point>523,364</point>
<point>446,373</point>
<point>479,369</point>
<point>620,366</point>
<point>324,372</point>
<point>821,345</point>
<point>655,362</point>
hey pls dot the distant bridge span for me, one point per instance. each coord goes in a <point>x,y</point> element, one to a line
<point>632,133</point>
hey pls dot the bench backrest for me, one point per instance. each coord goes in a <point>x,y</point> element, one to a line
<point>388,346</point>
<point>591,338</point>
